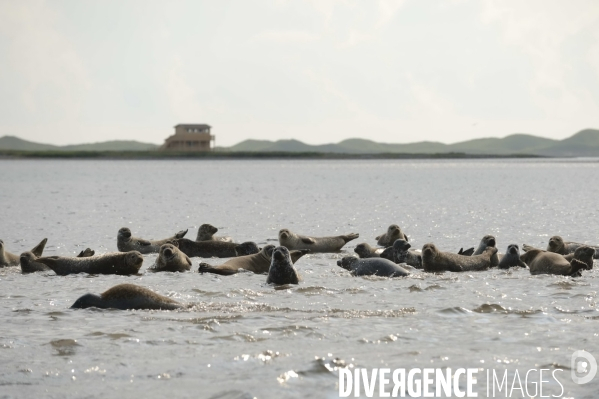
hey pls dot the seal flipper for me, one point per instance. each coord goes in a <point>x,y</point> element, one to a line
<point>351,236</point>
<point>307,240</point>
<point>297,254</point>
<point>379,237</point>
<point>188,260</point>
<point>467,252</point>
<point>526,247</point>
<point>206,268</point>
<point>39,248</point>
<point>86,253</point>
<point>143,242</point>
<point>406,236</point>
<point>577,268</point>
<point>181,234</point>
<point>50,261</point>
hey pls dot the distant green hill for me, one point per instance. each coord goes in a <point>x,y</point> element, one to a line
<point>17,144</point>
<point>583,143</point>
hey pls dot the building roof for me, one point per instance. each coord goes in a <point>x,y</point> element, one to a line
<point>201,125</point>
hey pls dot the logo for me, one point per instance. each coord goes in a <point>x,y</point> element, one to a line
<point>583,367</point>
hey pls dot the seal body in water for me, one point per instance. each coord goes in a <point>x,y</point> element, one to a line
<point>488,241</point>
<point>365,250</point>
<point>218,249</point>
<point>434,260</point>
<point>115,263</point>
<point>393,233</point>
<point>257,263</point>
<point>170,259</point>
<point>545,262</point>
<point>403,254</point>
<point>511,258</point>
<point>315,244</point>
<point>9,259</point>
<point>125,242</point>
<point>29,263</point>
<point>281,270</point>
<point>558,245</point>
<point>206,233</point>
<point>372,267</point>
<point>126,296</point>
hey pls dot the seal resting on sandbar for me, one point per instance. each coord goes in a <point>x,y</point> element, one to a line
<point>403,254</point>
<point>125,297</point>
<point>393,233</point>
<point>558,245</point>
<point>206,233</point>
<point>372,267</point>
<point>314,244</point>
<point>217,249</point>
<point>488,241</point>
<point>281,270</point>
<point>365,250</point>
<point>511,258</point>
<point>257,263</point>
<point>115,263</point>
<point>545,262</point>
<point>170,259</point>
<point>434,260</point>
<point>125,242</point>
<point>9,259</point>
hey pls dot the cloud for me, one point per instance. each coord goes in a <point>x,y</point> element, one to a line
<point>285,36</point>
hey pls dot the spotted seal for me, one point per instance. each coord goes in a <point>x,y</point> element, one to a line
<point>434,260</point>
<point>558,245</point>
<point>393,233</point>
<point>371,267</point>
<point>281,270</point>
<point>170,259</point>
<point>315,244</point>
<point>206,233</point>
<point>218,249</point>
<point>545,262</point>
<point>124,263</point>
<point>365,250</point>
<point>257,263</point>
<point>125,242</point>
<point>29,263</point>
<point>486,242</point>
<point>403,254</point>
<point>511,258</point>
<point>127,296</point>
<point>9,259</point>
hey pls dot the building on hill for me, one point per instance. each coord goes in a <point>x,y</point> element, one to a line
<point>190,137</point>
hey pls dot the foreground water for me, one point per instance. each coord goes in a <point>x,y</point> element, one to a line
<point>242,338</point>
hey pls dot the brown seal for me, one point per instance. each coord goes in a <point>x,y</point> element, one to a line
<point>29,263</point>
<point>488,241</point>
<point>393,233</point>
<point>545,262</point>
<point>170,259</point>
<point>281,270</point>
<point>218,249</point>
<point>365,250</point>
<point>558,245</point>
<point>114,263</point>
<point>127,296</point>
<point>9,259</point>
<point>434,260</point>
<point>315,244</point>
<point>206,233</point>
<point>125,242</point>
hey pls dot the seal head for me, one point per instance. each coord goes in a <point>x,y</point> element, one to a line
<point>281,269</point>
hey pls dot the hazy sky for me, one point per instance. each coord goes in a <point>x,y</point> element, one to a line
<point>318,71</point>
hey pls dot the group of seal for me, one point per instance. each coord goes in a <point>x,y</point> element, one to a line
<point>393,258</point>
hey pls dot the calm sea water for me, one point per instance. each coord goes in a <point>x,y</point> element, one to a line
<point>244,339</point>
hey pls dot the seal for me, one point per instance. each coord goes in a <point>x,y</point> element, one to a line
<point>170,259</point>
<point>115,263</point>
<point>281,270</point>
<point>403,254</point>
<point>9,259</point>
<point>434,260</point>
<point>218,249</point>
<point>86,253</point>
<point>29,263</point>
<point>511,258</point>
<point>371,267</point>
<point>364,250</point>
<point>393,233</point>
<point>545,262</point>
<point>206,233</point>
<point>583,254</point>
<point>388,254</point>
<point>125,297</point>
<point>257,263</point>
<point>486,242</point>
<point>558,245</point>
<point>315,244</point>
<point>125,242</point>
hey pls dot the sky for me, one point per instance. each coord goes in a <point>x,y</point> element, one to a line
<point>319,71</point>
